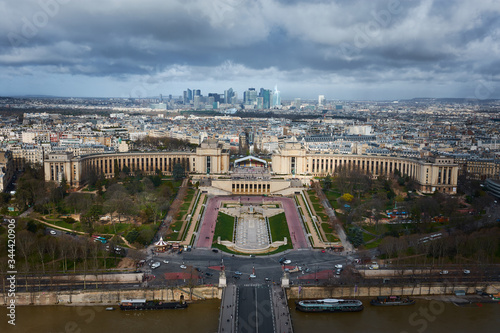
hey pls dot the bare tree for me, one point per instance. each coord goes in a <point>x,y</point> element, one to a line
<point>41,247</point>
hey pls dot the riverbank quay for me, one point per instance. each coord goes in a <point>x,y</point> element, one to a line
<point>199,293</point>
<point>112,297</point>
<point>351,291</point>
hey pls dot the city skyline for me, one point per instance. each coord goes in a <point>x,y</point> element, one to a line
<point>345,50</point>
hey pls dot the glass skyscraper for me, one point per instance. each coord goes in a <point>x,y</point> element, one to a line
<point>276,98</point>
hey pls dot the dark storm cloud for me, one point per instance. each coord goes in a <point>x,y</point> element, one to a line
<point>317,42</point>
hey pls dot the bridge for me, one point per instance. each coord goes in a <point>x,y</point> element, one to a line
<point>258,308</point>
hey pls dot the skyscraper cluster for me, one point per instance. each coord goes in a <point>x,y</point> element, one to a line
<point>262,99</point>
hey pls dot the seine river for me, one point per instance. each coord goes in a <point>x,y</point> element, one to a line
<point>425,316</point>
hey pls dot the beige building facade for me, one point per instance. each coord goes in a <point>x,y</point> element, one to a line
<point>209,158</point>
<point>431,173</point>
<point>292,161</point>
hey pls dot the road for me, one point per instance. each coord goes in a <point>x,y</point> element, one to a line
<point>254,310</point>
<point>265,266</point>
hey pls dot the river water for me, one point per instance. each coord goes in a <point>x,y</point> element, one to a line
<point>425,316</point>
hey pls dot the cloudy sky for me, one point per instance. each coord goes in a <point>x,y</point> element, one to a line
<point>343,49</point>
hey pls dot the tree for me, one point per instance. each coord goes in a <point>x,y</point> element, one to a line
<point>178,172</point>
<point>116,169</point>
<point>327,182</point>
<point>346,197</point>
<point>355,236</point>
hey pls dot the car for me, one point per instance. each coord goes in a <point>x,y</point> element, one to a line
<point>253,276</point>
<point>287,262</point>
<point>238,273</point>
<point>155,265</point>
<point>183,266</point>
<point>307,270</point>
<point>52,232</point>
<point>252,256</point>
<point>267,279</point>
<point>236,277</point>
<point>443,272</point>
<point>209,274</point>
<point>323,251</point>
<point>198,269</point>
<point>338,271</point>
<point>281,260</point>
<point>165,261</point>
<point>338,266</point>
<point>466,271</point>
<point>215,250</point>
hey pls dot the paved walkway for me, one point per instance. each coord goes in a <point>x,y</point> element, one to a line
<point>251,232</point>
<point>281,311</point>
<point>338,225</point>
<point>207,228</point>
<point>227,316</point>
<point>83,233</point>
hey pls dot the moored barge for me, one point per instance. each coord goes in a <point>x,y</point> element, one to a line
<point>330,305</point>
<point>143,304</point>
<point>392,301</point>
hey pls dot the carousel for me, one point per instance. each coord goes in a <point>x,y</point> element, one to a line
<point>161,245</point>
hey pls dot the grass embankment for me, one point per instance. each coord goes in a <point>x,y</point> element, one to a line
<point>279,230</point>
<point>224,227</point>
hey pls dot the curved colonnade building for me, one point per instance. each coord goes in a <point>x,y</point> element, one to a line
<point>209,158</point>
<point>431,173</point>
<point>291,162</point>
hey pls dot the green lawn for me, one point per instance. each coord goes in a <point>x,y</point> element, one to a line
<point>60,223</point>
<point>327,228</point>
<point>367,237</point>
<point>373,244</point>
<point>109,229</point>
<point>312,196</point>
<point>175,228</point>
<point>380,230</point>
<point>332,238</point>
<point>224,227</point>
<point>279,227</point>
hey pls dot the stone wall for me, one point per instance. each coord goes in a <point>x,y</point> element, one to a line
<point>106,297</point>
<point>383,290</point>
